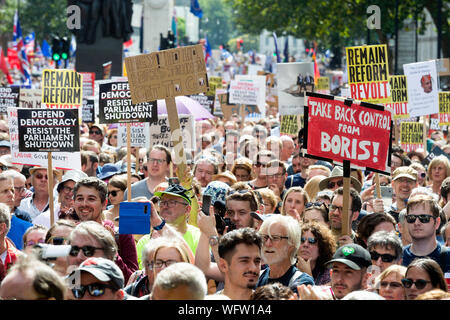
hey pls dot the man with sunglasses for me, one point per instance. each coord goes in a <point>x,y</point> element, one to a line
<point>423,219</point>
<point>259,163</point>
<point>97,279</point>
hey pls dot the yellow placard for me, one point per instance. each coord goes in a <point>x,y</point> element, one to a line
<point>323,83</point>
<point>411,135</point>
<point>289,124</point>
<point>444,108</point>
<point>62,88</point>
<point>399,92</point>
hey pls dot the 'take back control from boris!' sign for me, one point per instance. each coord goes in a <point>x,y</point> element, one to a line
<point>338,130</point>
<point>167,73</point>
<point>48,130</point>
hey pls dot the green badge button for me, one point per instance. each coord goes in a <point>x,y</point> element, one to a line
<point>348,250</point>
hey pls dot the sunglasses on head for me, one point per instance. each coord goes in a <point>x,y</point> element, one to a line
<point>88,251</point>
<point>310,240</point>
<point>94,290</point>
<point>419,283</point>
<point>339,183</point>
<point>384,257</point>
<point>424,218</point>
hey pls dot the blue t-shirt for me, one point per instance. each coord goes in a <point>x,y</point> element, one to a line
<point>303,278</point>
<point>408,256</point>
<point>18,228</point>
<point>295,180</point>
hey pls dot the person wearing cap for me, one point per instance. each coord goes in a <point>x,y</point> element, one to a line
<point>404,180</point>
<point>423,219</point>
<point>97,133</point>
<point>108,171</point>
<point>336,180</point>
<point>5,147</point>
<point>349,269</point>
<point>175,207</point>
<point>158,163</point>
<point>97,279</point>
<point>39,201</point>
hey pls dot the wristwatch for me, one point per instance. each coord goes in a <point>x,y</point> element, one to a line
<point>213,240</point>
<point>157,228</point>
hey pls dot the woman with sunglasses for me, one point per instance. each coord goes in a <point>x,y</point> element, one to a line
<point>317,246</point>
<point>389,283</point>
<point>294,202</point>
<point>116,191</point>
<point>58,235</point>
<point>316,212</point>
<point>423,275</point>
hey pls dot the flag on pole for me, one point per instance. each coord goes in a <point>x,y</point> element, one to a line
<point>195,9</point>
<point>46,49</point>
<point>29,44</point>
<point>286,50</point>
<point>20,49</point>
<point>73,46</point>
<point>174,26</point>
<point>316,66</point>
<point>208,51</point>
<point>4,67</point>
<point>276,47</point>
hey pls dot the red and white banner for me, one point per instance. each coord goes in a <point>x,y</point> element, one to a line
<point>337,131</point>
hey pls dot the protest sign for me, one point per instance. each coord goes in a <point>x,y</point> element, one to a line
<point>140,134</point>
<point>61,160</point>
<point>9,97</point>
<point>444,108</point>
<point>243,92</point>
<point>289,125</point>
<point>294,79</point>
<point>434,152</point>
<point>205,101</point>
<point>443,67</point>
<point>160,131</point>
<point>411,136</point>
<point>214,84</point>
<point>30,98</point>
<point>167,73</point>
<point>422,84</point>
<point>399,96</point>
<point>259,82</point>
<point>115,105</point>
<point>48,130</point>
<point>254,68</point>
<point>62,88</point>
<point>368,72</point>
<point>323,85</point>
<point>88,83</point>
<point>88,110</point>
<point>339,130</point>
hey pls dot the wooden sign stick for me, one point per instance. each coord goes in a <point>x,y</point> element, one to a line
<point>377,185</point>
<point>346,221</point>
<point>50,187</point>
<point>424,137</point>
<point>176,137</point>
<point>129,162</point>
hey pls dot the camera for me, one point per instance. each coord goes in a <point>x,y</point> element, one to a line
<point>48,252</point>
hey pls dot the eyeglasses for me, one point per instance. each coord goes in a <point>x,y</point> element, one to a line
<point>419,283</point>
<point>333,208</point>
<point>4,168</point>
<point>57,241</point>
<point>384,257</point>
<point>310,240</point>
<point>266,237</point>
<point>94,290</point>
<point>150,265</point>
<point>275,176</point>
<point>41,176</point>
<point>384,284</point>
<point>114,193</point>
<point>67,189</point>
<point>170,203</point>
<point>97,132</point>
<point>19,189</point>
<point>423,175</point>
<point>32,242</point>
<point>88,251</point>
<point>161,263</point>
<point>158,161</point>
<point>424,218</point>
<point>339,183</point>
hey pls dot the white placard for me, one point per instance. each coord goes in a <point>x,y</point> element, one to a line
<point>140,134</point>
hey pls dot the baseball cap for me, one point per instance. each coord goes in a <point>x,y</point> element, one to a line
<point>352,255</point>
<point>217,190</point>
<point>74,175</point>
<point>103,269</point>
<point>175,190</point>
<point>260,216</point>
<point>5,143</point>
<point>406,172</point>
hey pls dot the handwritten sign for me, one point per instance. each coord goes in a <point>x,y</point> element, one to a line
<point>338,131</point>
<point>167,73</point>
<point>368,73</point>
<point>160,131</point>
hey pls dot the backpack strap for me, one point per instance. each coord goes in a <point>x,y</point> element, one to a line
<point>294,277</point>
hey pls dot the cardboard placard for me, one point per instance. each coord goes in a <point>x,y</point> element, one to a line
<point>140,134</point>
<point>368,73</point>
<point>48,130</point>
<point>443,67</point>
<point>411,136</point>
<point>62,88</point>
<point>167,73</point>
<point>61,160</point>
<point>160,131</point>
<point>30,98</point>
<point>9,97</point>
<point>115,105</point>
<point>423,88</point>
<point>294,79</point>
<point>444,108</point>
<point>343,130</point>
<point>88,110</point>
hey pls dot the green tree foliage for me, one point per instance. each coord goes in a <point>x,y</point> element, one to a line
<point>217,22</point>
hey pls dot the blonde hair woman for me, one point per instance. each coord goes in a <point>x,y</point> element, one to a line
<point>294,202</point>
